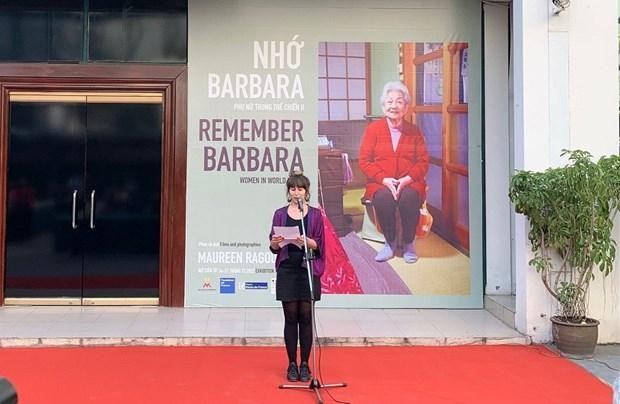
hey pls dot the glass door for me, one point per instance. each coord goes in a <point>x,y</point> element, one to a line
<point>83,206</point>
<point>44,212</point>
<point>123,187</point>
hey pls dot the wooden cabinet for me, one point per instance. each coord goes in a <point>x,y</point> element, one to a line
<point>331,184</point>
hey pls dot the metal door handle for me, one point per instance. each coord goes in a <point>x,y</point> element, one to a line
<point>92,209</point>
<point>73,205</point>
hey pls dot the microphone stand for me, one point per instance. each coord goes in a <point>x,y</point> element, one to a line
<point>315,385</point>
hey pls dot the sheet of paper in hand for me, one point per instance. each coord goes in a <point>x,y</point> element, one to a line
<point>290,234</point>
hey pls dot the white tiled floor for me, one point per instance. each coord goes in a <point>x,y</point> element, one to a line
<point>21,326</point>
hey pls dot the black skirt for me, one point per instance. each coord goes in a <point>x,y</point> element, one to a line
<point>292,284</point>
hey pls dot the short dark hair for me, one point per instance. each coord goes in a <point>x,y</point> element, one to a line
<point>297,179</point>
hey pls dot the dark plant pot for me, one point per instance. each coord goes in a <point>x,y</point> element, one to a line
<point>576,340</point>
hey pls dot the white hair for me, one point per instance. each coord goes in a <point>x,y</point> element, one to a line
<point>395,86</point>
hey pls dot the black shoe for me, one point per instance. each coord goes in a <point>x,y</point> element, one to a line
<point>304,372</point>
<point>292,373</point>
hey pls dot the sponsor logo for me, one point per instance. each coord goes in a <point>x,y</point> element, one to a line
<point>256,285</point>
<point>227,285</point>
<point>207,284</point>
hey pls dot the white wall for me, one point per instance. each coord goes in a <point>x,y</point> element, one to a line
<point>499,280</point>
<point>565,95</point>
<point>530,150</point>
<point>593,76</point>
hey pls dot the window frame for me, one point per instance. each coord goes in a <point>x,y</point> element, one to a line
<point>323,52</point>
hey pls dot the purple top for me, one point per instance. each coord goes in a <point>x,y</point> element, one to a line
<point>314,231</point>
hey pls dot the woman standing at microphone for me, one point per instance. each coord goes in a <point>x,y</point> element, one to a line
<point>292,286</point>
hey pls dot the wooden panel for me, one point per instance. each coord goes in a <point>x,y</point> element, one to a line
<point>88,96</point>
<point>447,205</point>
<point>458,108</point>
<point>41,97</point>
<point>171,82</point>
<point>427,57</point>
<point>409,74</point>
<point>458,168</point>
<point>331,189</point>
<point>427,108</point>
<point>4,130</point>
<point>118,301</point>
<point>43,301</point>
<point>176,255</point>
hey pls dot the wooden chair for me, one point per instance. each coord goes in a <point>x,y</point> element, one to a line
<point>371,229</point>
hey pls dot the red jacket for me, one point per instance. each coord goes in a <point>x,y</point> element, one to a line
<point>378,160</point>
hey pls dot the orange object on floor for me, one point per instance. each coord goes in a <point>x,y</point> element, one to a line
<point>456,374</point>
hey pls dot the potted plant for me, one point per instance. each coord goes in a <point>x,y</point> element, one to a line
<point>571,211</point>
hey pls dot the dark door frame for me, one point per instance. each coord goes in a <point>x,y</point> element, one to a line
<point>171,82</point>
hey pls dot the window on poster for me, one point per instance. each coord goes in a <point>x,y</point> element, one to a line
<point>343,73</point>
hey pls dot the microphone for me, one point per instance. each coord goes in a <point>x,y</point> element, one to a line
<point>300,204</point>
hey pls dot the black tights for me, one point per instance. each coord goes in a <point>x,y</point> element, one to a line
<point>408,204</point>
<point>297,314</point>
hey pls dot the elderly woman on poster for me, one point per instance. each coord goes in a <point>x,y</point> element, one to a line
<point>394,159</point>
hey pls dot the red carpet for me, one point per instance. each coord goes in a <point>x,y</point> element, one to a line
<point>464,374</point>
